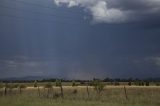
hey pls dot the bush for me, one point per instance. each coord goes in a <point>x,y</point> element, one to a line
<point>98,86</point>
<point>129,83</point>
<point>74,83</point>
<point>15,86</point>
<point>157,84</point>
<point>58,83</point>
<point>22,86</point>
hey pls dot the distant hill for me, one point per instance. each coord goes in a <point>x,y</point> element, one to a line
<point>27,78</point>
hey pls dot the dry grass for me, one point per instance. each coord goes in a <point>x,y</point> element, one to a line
<point>111,96</point>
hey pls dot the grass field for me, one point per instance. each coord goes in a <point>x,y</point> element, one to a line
<point>110,96</point>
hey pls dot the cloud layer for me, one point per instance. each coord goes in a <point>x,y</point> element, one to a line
<point>116,11</point>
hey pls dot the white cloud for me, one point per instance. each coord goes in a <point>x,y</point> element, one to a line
<point>115,11</point>
<point>98,10</point>
<point>70,3</point>
<point>101,13</point>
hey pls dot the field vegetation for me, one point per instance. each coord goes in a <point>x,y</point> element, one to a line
<point>95,93</point>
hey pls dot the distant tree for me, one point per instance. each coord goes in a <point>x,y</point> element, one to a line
<point>82,83</point>
<point>35,83</point>
<point>21,86</point>
<point>98,86</point>
<point>73,83</point>
<point>59,84</point>
<point>147,83</point>
<point>107,80</point>
<point>15,86</point>
<point>136,83</point>
<point>49,87</point>
<point>139,83</point>
<point>9,87</point>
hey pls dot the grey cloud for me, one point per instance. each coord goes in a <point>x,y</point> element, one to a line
<point>117,11</point>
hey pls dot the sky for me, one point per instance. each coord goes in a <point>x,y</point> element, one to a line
<point>80,39</point>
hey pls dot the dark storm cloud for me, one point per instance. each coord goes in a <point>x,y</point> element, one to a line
<point>82,50</point>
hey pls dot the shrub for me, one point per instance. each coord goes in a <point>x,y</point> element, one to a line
<point>129,83</point>
<point>15,86</point>
<point>49,87</point>
<point>98,86</point>
<point>136,83</point>
<point>157,84</point>
<point>73,83</point>
<point>21,87</point>
<point>58,83</point>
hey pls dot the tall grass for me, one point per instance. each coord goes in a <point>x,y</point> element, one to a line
<point>110,96</point>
